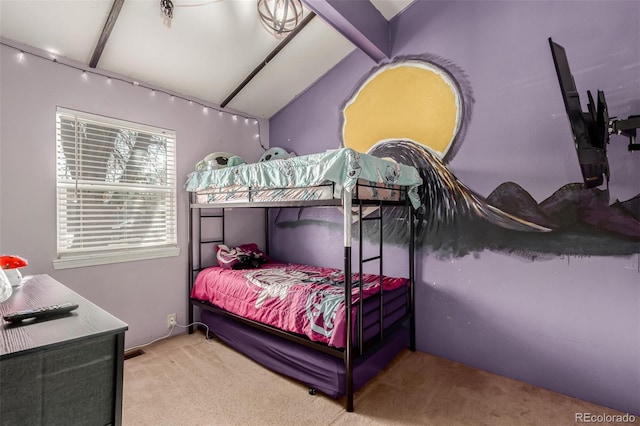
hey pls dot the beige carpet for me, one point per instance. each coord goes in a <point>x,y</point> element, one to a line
<point>186,380</point>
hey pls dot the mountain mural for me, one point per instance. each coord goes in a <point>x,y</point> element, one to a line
<point>572,207</point>
<point>582,221</point>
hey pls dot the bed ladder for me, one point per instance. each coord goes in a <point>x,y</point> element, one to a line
<point>361,262</point>
<point>201,214</point>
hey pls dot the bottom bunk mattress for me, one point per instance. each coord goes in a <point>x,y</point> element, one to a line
<point>317,370</point>
<point>305,300</point>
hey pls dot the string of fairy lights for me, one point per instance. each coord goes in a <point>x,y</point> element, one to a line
<point>21,55</point>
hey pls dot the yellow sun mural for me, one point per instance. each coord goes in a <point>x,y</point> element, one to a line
<point>410,100</point>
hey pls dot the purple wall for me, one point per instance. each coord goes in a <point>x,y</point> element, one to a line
<point>140,293</point>
<point>564,323</point>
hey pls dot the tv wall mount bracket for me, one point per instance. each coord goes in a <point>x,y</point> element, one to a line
<point>627,127</point>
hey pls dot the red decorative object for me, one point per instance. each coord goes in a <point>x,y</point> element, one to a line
<point>11,268</point>
<point>12,262</point>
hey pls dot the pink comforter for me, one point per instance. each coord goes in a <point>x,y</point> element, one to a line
<point>301,299</point>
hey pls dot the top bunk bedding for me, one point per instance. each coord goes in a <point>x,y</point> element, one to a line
<point>307,179</point>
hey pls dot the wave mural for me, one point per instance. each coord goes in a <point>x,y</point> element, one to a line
<point>455,221</point>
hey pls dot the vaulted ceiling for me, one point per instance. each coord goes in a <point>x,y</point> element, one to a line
<point>213,50</point>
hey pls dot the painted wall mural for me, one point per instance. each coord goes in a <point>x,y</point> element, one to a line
<point>415,110</point>
<point>565,322</point>
<point>410,98</point>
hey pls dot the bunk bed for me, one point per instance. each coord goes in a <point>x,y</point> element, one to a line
<point>363,333</point>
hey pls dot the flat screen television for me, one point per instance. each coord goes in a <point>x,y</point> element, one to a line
<point>589,128</point>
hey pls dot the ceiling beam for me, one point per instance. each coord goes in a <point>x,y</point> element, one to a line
<point>359,21</point>
<point>106,32</point>
<point>268,59</point>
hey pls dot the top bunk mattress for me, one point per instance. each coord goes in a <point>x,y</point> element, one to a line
<point>322,176</point>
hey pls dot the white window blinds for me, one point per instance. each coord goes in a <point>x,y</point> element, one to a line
<point>116,189</point>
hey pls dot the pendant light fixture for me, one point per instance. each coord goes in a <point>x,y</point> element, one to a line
<point>166,9</point>
<point>280,17</point>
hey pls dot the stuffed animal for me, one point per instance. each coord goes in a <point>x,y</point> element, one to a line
<point>276,154</point>
<point>219,160</point>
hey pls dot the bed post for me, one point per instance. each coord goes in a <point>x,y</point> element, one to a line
<point>348,347</point>
<point>266,230</point>
<point>190,262</point>
<point>412,279</point>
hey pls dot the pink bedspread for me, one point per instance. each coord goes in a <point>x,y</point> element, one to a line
<point>301,299</point>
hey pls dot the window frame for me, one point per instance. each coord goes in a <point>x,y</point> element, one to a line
<point>99,256</point>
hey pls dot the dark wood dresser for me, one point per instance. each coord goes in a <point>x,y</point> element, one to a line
<point>65,370</point>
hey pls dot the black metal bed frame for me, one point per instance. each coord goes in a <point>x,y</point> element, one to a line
<point>349,353</point>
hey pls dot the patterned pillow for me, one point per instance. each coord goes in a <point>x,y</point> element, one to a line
<point>245,256</point>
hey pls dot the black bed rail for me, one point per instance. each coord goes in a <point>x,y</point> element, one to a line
<point>401,190</point>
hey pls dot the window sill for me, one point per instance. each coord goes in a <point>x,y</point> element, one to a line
<point>108,258</point>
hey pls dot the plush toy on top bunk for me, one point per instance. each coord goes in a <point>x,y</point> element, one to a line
<point>276,153</point>
<point>219,160</point>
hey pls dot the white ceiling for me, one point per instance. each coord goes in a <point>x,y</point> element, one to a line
<point>205,52</point>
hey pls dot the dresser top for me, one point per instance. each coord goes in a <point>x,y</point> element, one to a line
<point>38,291</point>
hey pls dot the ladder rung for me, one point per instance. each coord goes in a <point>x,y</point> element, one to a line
<point>372,218</point>
<point>211,241</point>
<point>370,259</point>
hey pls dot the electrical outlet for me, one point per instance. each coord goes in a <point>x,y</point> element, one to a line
<point>171,320</point>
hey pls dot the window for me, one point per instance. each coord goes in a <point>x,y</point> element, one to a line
<point>116,190</point>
